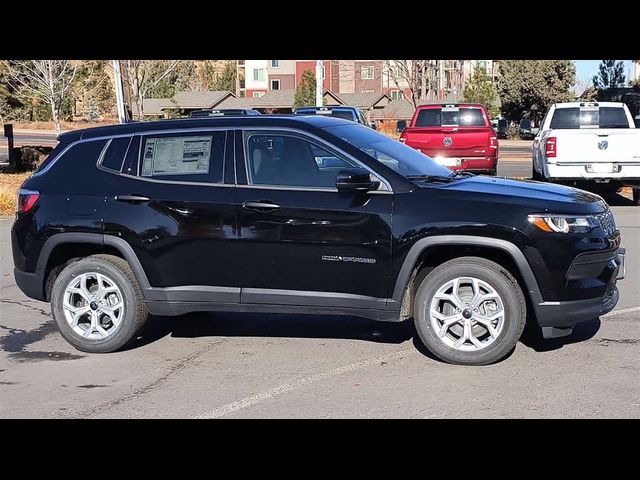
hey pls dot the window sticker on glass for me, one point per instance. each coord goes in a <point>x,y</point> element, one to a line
<point>176,156</point>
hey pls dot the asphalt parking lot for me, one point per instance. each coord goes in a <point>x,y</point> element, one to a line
<point>255,366</point>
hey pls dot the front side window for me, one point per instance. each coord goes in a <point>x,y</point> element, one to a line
<point>395,155</point>
<point>289,160</point>
<point>193,157</point>
<point>366,73</point>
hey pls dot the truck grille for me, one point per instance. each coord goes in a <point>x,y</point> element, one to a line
<point>607,222</point>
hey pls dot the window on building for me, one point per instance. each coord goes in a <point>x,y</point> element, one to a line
<point>258,74</point>
<point>397,94</point>
<point>275,63</point>
<point>275,84</point>
<point>257,94</point>
<point>367,73</point>
<point>322,72</point>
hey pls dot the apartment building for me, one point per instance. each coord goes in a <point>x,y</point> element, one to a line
<point>256,78</point>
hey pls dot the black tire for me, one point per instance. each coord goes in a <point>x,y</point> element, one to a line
<point>534,173</point>
<point>504,284</point>
<point>636,197</point>
<point>135,309</point>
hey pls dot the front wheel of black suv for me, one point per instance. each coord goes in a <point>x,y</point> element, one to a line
<point>97,304</point>
<point>470,311</point>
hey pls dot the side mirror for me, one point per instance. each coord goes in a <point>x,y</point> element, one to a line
<point>401,125</point>
<point>355,180</point>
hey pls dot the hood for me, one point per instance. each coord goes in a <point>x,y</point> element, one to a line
<point>539,196</point>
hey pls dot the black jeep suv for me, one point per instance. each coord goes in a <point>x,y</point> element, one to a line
<point>304,214</point>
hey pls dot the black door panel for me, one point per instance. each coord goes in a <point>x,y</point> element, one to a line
<point>319,241</point>
<point>182,232</point>
<point>308,239</point>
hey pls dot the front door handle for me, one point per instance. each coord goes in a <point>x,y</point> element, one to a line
<point>261,206</point>
<point>132,198</point>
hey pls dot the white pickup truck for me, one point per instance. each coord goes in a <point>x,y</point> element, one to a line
<point>582,142</point>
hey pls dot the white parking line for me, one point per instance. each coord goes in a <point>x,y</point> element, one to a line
<point>622,311</point>
<point>287,387</point>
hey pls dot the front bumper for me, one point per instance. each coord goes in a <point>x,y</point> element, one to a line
<point>557,319</point>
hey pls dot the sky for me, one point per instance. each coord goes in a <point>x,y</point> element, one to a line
<point>586,69</point>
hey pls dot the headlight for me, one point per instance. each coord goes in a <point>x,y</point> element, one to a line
<point>564,223</point>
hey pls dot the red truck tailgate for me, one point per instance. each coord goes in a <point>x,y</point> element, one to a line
<point>450,142</point>
<point>458,136</point>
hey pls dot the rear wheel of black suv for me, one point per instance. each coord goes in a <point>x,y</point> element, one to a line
<point>97,304</point>
<point>470,311</point>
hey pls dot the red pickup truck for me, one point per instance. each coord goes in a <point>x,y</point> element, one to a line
<point>458,136</point>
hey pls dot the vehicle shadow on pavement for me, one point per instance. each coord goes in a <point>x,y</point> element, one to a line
<point>532,336</point>
<point>618,200</point>
<point>197,325</point>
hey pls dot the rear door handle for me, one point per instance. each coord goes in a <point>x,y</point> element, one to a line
<point>132,198</point>
<point>261,206</point>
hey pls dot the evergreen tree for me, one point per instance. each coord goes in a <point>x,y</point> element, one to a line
<point>305,95</point>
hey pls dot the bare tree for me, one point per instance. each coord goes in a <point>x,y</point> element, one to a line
<point>412,74</point>
<point>45,80</point>
<point>137,75</point>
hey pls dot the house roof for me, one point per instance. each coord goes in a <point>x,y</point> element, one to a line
<point>274,99</point>
<point>401,109</point>
<point>154,106</point>
<point>236,102</point>
<point>187,100</point>
<point>362,100</point>
<point>205,99</point>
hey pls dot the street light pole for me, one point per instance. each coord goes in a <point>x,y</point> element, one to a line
<point>122,118</point>
<point>318,83</point>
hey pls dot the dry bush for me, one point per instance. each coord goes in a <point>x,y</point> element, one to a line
<point>9,184</point>
<point>29,158</point>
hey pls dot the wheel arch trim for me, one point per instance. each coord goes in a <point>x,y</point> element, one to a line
<point>95,239</point>
<point>421,245</point>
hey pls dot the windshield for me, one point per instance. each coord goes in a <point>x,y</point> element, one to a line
<point>345,114</point>
<point>404,160</point>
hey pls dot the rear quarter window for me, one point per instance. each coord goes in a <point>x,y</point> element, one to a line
<point>113,157</point>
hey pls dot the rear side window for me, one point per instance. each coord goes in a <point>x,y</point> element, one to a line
<point>114,156</point>
<point>438,117</point>
<point>194,157</point>
<point>575,117</point>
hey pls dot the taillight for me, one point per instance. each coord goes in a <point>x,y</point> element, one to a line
<point>26,200</point>
<point>493,142</point>
<point>551,147</point>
